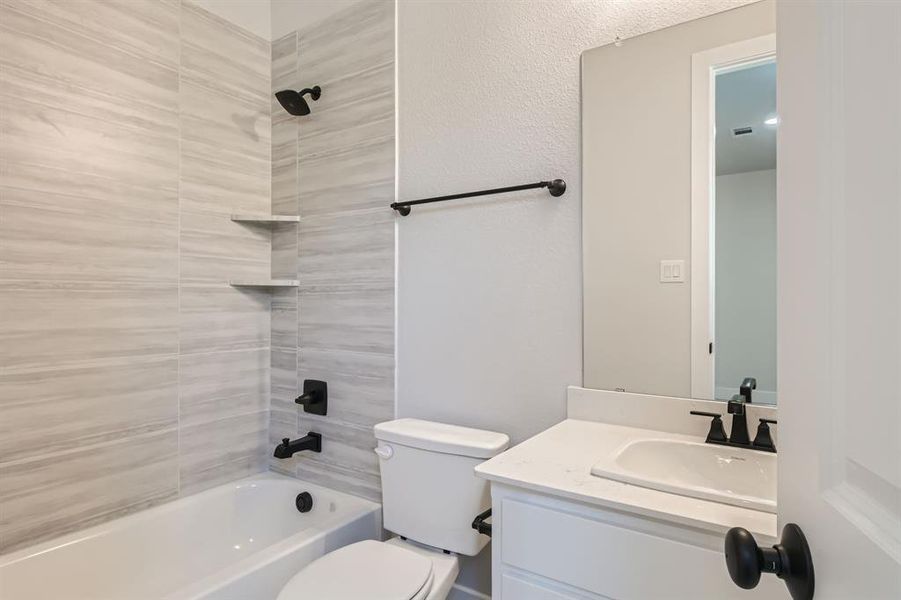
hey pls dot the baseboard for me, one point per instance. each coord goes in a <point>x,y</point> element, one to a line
<point>461,592</point>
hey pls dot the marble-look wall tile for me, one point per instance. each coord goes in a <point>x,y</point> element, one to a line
<point>284,319</point>
<point>351,41</point>
<point>339,174</point>
<point>217,452</point>
<point>92,239</point>
<point>215,318</point>
<point>56,408</point>
<point>343,477</point>
<point>215,385</point>
<point>214,249</point>
<point>148,28</point>
<point>353,318</point>
<point>51,324</point>
<point>129,131</point>
<point>222,56</point>
<point>36,40</point>
<point>224,332</point>
<point>52,494</point>
<point>352,178</point>
<point>284,130</point>
<point>347,249</point>
<point>284,251</point>
<point>285,385</point>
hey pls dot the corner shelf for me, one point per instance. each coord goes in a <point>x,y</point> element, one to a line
<point>265,219</point>
<point>264,283</point>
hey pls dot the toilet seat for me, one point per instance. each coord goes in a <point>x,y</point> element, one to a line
<point>368,569</point>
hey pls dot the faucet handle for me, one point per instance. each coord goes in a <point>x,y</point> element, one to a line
<point>286,441</point>
<point>763,440</point>
<point>717,433</point>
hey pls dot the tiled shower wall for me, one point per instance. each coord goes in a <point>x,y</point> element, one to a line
<point>335,168</point>
<point>130,372</point>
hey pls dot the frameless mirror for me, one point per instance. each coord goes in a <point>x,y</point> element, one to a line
<point>679,209</point>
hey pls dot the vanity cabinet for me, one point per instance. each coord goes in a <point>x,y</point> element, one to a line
<point>548,548</point>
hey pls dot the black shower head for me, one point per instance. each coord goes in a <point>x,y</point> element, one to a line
<point>294,103</point>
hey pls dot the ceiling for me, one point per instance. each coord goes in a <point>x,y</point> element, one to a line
<point>746,98</point>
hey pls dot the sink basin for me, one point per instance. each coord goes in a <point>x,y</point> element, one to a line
<point>724,474</point>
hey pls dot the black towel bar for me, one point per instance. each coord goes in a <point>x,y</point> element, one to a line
<point>556,187</point>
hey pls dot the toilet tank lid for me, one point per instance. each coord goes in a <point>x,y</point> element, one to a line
<point>441,437</point>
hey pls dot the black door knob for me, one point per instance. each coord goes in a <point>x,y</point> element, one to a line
<point>789,560</point>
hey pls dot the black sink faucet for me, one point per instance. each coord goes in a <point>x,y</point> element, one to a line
<point>747,385</point>
<point>288,448</point>
<point>736,408</point>
<point>739,432</point>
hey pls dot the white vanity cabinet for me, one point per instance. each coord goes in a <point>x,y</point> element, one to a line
<point>549,548</point>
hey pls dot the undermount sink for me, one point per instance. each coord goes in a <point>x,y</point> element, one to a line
<point>724,474</point>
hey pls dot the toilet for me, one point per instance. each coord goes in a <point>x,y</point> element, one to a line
<point>430,496</point>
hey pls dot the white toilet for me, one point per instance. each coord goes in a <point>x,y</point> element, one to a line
<point>430,496</point>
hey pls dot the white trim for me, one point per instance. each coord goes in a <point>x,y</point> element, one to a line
<point>704,66</point>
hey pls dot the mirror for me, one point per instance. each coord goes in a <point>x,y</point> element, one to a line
<point>679,209</point>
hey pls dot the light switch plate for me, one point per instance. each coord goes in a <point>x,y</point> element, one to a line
<point>672,271</point>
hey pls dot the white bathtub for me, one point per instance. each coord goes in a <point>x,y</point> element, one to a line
<point>240,541</point>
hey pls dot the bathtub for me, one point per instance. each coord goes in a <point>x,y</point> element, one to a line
<point>241,541</point>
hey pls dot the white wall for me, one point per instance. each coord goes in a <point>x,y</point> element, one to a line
<point>253,15</point>
<point>291,15</point>
<point>489,290</point>
<point>746,282</point>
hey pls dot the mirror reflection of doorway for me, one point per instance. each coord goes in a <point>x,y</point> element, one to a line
<point>744,225</point>
<point>733,217</point>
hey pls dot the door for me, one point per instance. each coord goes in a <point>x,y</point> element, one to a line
<point>839,213</point>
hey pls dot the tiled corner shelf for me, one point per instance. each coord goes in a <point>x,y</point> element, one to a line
<point>264,283</point>
<point>265,219</point>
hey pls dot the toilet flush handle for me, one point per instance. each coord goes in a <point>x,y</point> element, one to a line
<point>384,452</point>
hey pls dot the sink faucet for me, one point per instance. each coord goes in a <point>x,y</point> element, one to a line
<point>288,447</point>
<point>739,433</point>
<point>736,408</point>
<point>747,384</point>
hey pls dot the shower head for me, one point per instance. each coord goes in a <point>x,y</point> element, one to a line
<point>294,103</point>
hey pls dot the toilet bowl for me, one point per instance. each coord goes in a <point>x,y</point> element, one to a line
<point>372,570</point>
<point>430,495</point>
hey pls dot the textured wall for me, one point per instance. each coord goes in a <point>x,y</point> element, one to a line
<point>335,168</point>
<point>130,372</point>
<point>489,291</point>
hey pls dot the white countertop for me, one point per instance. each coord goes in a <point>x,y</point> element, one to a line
<point>558,462</point>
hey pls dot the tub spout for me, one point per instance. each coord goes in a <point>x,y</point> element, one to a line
<point>287,449</point>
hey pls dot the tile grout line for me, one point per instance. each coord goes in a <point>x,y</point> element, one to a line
<point>178,269</point>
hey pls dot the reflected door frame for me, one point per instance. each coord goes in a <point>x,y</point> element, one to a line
<point>705,66</point>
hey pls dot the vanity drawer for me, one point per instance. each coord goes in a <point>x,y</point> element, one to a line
<point>580,549</point>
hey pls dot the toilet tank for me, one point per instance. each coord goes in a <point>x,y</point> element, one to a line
<point>430,493</point>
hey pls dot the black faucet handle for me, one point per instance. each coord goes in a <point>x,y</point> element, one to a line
<point>717,433</point>
<point>701,413</point>
<point>763,440</point>
<point>286,441</point>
